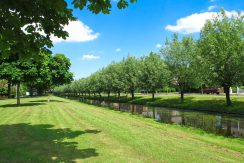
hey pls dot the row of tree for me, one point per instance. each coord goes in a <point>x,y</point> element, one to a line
<point>37,74</point>
<point>148,73</point>
<point>215,59</point>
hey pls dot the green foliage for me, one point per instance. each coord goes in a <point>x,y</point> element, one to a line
<point>215,60</point>
<point>59,66</point>
<point>181,57</point>
<point>131,72</point>
<point>64,130</point>
<point>3,87</point>
<point>40,74</point>
<point>97,6</point>
<point>23,22</point>
<point>154,73</point>
<point>168,89</point>
<point>26,26</point>
<point>222,50</point>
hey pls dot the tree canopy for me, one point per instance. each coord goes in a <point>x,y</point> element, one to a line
<point>42,74</point>
<point>154,73</point>
<point>180,56</point>
<point>222,50</point>
<point>26,26</point>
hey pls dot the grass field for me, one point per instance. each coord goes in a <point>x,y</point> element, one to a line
<point>69,131</point>
<point>215,103</point>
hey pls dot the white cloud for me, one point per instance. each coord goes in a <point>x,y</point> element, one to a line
<point>158,45</point>
<point>118,50</point>
<point>210,8</point>
<point>193,23</point>
<point>90,57</point>
<point>78,32</point>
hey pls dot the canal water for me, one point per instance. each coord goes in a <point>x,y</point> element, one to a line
<point>222,124</point>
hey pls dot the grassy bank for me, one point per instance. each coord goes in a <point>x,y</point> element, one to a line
<point>68,131</point>
<point>214,103</point>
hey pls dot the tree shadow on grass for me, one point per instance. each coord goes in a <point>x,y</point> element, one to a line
<point>21,105</point>
<point>41,143</point>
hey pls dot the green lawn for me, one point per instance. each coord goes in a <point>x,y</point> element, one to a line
<point>214,103</point>
<point>69,131</point>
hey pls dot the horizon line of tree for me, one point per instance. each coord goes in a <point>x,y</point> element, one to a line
<point>215,59</point>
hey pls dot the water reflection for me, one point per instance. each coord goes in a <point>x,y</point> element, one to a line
<point>227,125</point>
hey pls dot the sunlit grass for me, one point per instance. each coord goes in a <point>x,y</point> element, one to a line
<point>69,131</point>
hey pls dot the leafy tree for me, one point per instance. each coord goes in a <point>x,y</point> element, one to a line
<point>98,82</point>
<point>94,83</point>
<point>81,86</point>
<point>17,71</point>
<point>74,87</point>
<point>4,74</point>
<point>3,87</point>
<point>131,73</point>
<point>41,73</point>
<point>154,74</point>
<point>119,81</point>
<point>26,26</point>
<point>50,71</point>
<point>181,56</point>
<point>107,79</point>
<point>59,67</point>
<point>42,78</point>
<point>97,6</point>
<point>222,50</point>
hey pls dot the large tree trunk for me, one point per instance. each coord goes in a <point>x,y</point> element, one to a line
<point>9,89</point>
<point>31,91</point>
<point>108,94</point>
<point>132,94</point>
<point>153,96</point>
<point>182,96</point>
<point>18,93</point>
<point>118,94</point>
<point>227,95</point>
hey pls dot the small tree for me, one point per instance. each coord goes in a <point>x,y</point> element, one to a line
<point>119,78</point>
<point>154,74</point>
<point>131,73</point>
<point>180,56</point>
<point>222,51</point>
<point>60,66</point>
<point>107,79</point>
<point>18,71</point>
<point>42,79</point>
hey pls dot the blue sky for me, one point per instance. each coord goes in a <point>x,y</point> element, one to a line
<point>97,40</point>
